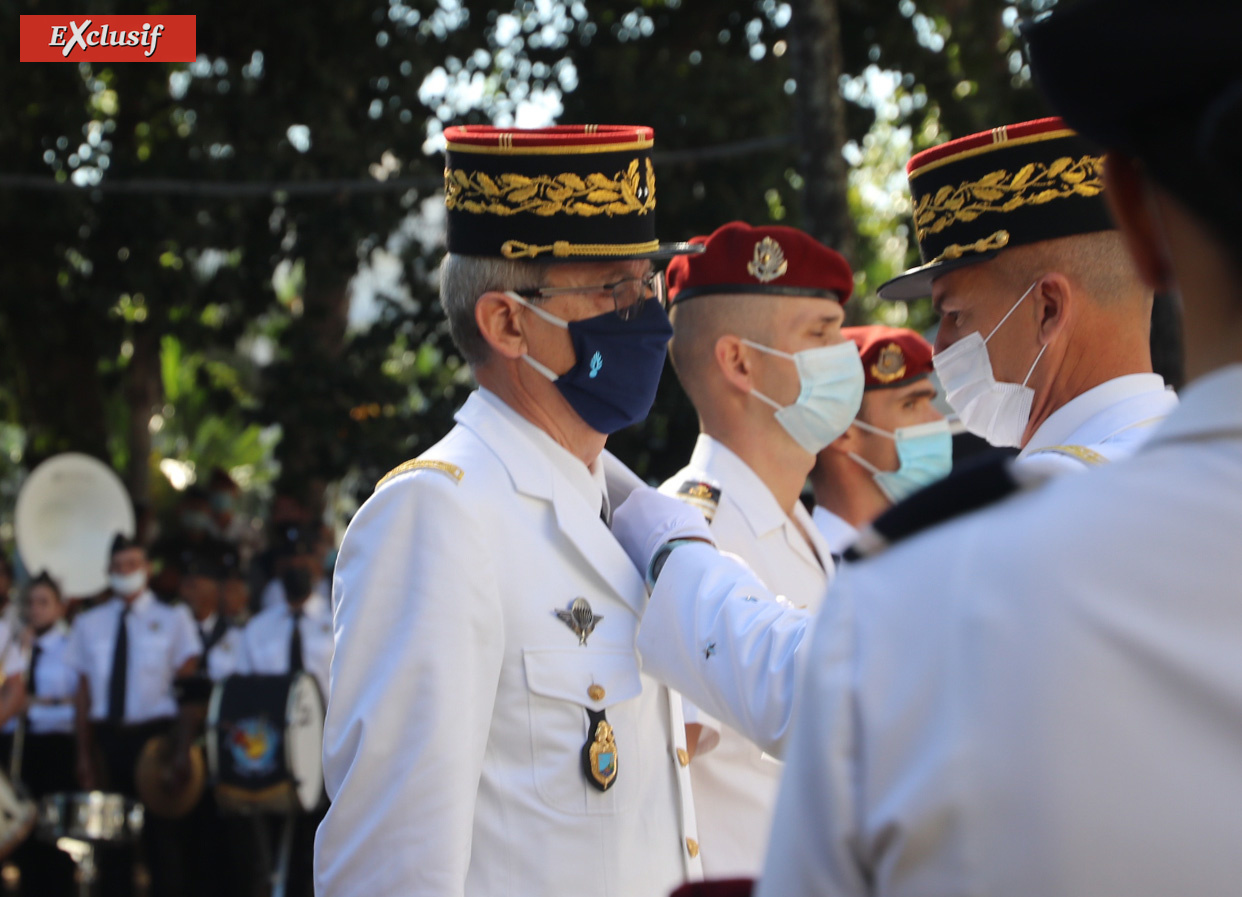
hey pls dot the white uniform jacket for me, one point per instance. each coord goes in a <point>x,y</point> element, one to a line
<point>734,780</point>
<point>1044,698</point>
<point>458,708</point>
<point>56,683</point>
<point>222,647</point>
<point>837,532</point>
<point>1106,423</point>
<point>266,638</point>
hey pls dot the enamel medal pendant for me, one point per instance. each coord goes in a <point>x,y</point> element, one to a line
<point>599,754</point>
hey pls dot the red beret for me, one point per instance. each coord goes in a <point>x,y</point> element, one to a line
<point>891,356</point>
<point>775,260</point>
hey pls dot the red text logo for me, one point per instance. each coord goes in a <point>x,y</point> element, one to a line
<point>107,38</point>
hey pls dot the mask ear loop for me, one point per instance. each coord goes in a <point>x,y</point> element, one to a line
<point>871,428</point>
<point>546,315</point>
<point>1037,357</point>
<point>1010,312</point>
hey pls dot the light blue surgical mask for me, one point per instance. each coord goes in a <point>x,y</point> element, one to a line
<point>924,454</point>
<point>832,390</point>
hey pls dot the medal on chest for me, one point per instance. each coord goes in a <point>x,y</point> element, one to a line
<point>599,754</point>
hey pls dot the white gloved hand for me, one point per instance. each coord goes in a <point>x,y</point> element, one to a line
<point>647,519</point>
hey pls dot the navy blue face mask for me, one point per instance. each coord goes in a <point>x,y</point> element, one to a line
<point>617,364</point>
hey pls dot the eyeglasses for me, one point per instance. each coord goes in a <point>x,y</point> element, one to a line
<point>628,295</point>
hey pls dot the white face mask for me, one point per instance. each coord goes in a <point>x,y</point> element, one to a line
<point>924,455</point>
<point>129,583</point>
<point>991,409</point>
<point>832,391</point>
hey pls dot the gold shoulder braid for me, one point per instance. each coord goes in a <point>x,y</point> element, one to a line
<point>625,193</point>
<point>998,191</point>
<point>444,467</point>
<point>1087,456</point>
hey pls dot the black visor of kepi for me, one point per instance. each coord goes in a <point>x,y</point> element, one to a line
<point>1011,186</point>
<point>566,193</point>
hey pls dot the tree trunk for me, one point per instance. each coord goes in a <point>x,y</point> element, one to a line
<point>815,49</point>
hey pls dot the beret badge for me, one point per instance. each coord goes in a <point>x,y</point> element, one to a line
<point>768,262</point>
<point>890,365</point>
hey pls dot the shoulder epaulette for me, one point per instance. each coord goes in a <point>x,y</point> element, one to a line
<point>975,485</point>
<point>701,494</point>
<point>1081,452</point>
<point>444,467</point>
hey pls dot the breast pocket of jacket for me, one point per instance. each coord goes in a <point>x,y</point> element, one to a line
<point>564,687</point>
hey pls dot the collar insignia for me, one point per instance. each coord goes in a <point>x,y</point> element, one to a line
<point>580,618</point>
<point>768,262</point>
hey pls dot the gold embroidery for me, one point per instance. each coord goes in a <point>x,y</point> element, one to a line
<point>1081,452</point>
<point>998,240</point>
<point>890,365</point>
<point>423,464</point>
<point>625,193</point>
<point>769,261</point>
<point>1035,183</point>
<point>516,249</point>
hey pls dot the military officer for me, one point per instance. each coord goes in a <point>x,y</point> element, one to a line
<point>128,652</point>
<point>1044,330</point>
<point>757,323</point>
<point>898,444</point>
<point>489,730</point>
<point>974,731</point>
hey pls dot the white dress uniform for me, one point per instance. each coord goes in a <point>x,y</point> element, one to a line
<point>52,694</point>
<point>460,701</point>
<point>735,781</point>
<point>836,531</point>
<point>161,638</point>
<point>223,651</point>
<point>266,638</point>
<point>1105,423</point>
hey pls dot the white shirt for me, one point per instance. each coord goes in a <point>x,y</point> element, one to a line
<point>274,592</point>
<point>56,683</point>
<point>734,780</point>
<point>837,532</point>
<point>226,656</point>
<point>1110,420</point>
<point>161,638</point>
<point>460,703</point>
<point>265,641</point>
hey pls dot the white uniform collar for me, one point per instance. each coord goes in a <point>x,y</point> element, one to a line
<point>839,533</point>
<point>1067,423</point>
<point>58,630</point>
<point>207,624</point>
<point>753,497</point>
<point>140,605</point>
<point>1210,406</point>
<point>589,481</point>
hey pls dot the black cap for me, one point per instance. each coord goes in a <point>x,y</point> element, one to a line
<point>1158,81</point>
<point>122,542</point>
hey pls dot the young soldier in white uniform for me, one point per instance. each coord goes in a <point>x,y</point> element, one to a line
<point>221,641</point>
<point>128,652</point>
<point>757,320</point>
<point>898,444</point>
<point>1044,324</point>
<point>974,732</point>
<point>489,731</point>
<point>45,686</point>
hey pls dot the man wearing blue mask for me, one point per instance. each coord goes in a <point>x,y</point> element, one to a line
<point>489,730</point>
<point>758,347</point>
<point>1044,333</point>
<point>898,444</point>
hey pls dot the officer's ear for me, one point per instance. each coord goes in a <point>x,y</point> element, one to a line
<point>1054,305</point>
<point>1132,204</point>
<point>499,319</point>
<point>733,358</point>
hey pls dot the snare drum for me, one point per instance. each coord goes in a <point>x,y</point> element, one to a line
<point>264,743</point>
<point>17,816</point>
<point>92,816</point>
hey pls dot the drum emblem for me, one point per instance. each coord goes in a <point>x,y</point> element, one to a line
<point>253,743</point>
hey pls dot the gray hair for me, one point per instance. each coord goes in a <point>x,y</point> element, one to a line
<point>464,278</point>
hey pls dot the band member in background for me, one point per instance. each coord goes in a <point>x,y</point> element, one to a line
<point>128,652</point>
<point>898,444</point>
<point>45,686</point>
<point>201,589</point>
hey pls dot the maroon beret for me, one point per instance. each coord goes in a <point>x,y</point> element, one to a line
<point>780,261</point>
<point>891,356</point>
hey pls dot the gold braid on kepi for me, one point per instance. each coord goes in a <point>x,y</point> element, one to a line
<point>566,193</point>
<point>1010,186</point>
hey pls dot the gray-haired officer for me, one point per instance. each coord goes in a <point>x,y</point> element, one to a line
<point>489,730</point>
<point>975,732</point>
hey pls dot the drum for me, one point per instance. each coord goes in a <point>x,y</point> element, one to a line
<point>17,816</point>
<point>264,743</point>
<point>92,816</point>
